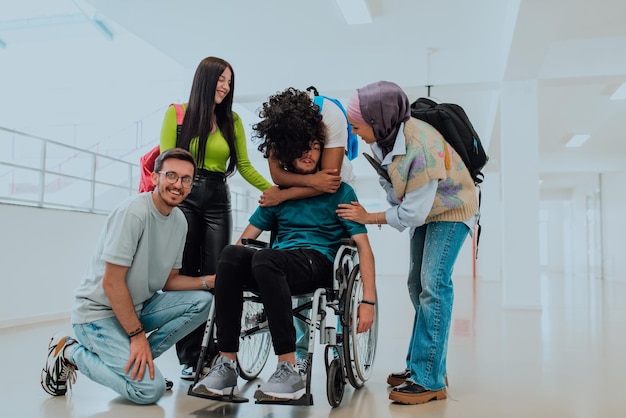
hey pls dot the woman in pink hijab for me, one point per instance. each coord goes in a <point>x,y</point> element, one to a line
<point>431,192</point>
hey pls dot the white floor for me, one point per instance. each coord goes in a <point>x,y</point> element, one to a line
<point>566,360</point>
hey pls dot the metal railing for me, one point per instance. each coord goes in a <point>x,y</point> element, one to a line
<point>41,172</point>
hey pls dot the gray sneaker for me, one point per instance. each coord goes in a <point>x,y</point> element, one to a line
<point>221,379</point>
<point>285,384</point>
<point>302,365</point>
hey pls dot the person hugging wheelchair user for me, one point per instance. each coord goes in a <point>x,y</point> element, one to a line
<point>308,234</point>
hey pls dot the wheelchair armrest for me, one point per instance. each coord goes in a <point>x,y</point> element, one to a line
<point>348,241</point>
<point>249,242</point>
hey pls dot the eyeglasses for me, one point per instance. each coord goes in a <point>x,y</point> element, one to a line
<point>172,178</point>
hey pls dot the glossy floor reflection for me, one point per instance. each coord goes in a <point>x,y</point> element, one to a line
<point>565,360</point>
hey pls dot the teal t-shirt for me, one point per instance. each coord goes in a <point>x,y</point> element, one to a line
<point>310,223</point>
<point>138,236</point>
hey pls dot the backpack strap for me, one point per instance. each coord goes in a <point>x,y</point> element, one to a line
<point>180,115</point>
<point>352,148</point>
<point>478,227</point>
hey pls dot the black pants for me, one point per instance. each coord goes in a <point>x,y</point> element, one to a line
<point>209,221</point>
<point>276,275</point>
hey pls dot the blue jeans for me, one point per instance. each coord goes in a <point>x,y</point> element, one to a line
<point>434,250</point>
<point>104,347</point>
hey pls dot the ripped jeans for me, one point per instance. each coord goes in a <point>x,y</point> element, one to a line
<point>104,347</point>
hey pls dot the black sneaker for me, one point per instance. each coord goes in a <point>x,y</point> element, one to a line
<point>58,373</point>
<point>410,393</point>
<point>398,378</point>
<point>168,384</point>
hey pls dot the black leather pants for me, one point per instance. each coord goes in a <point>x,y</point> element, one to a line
<point>209,220</point>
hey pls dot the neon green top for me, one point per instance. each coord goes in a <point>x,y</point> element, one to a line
<point>217,152</point>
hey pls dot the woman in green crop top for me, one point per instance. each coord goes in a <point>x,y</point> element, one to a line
<point>214,134</point>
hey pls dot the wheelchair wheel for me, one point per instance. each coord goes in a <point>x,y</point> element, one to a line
<point>335,383</point>
<point>359,349</point>
<point>255,341</point>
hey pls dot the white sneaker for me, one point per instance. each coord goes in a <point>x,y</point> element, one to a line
<point>58,373</point>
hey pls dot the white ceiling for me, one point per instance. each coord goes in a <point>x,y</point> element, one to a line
<point>575,50</point>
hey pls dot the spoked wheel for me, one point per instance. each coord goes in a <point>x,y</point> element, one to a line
<point>335,383</point>
<point>359,349</point>
<point>255,341</point>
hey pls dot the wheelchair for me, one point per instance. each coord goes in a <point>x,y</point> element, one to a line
<point>348,355</point>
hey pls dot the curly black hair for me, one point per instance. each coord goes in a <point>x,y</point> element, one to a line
<point>290,122</point>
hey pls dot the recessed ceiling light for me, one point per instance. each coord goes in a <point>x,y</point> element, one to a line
<point>577,140</point>
<point>620,93</point>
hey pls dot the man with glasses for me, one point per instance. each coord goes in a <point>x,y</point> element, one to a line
<point>132,288</point>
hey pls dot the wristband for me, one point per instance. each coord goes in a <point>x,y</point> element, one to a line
<point>368,302</point>
<point>204,285</point>
<point>378,223</point>
<point>135,332</point>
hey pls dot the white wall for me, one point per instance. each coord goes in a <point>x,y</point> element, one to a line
<point>44,253</point>
<point>614,226</point>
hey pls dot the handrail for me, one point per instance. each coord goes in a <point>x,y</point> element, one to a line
<point>81,180</point>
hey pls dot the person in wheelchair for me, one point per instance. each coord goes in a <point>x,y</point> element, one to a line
<point>333,170</point>
<point>308,235</point>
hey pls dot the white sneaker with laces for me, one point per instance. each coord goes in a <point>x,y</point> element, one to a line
<point>58,372</point>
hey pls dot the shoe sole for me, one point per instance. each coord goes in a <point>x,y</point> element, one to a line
<point>419,398</point>
<point>270,396</point>
<point>228,391</point>
<point>397,381</point>
<point>60,392</point>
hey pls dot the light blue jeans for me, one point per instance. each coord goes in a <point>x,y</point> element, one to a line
<point>434,250</point>
<point>104,347</point>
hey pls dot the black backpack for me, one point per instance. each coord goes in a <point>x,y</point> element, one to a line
<point>453,124</point>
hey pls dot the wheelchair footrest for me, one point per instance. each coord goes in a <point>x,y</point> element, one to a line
<point>223,398</point>
<point>306,400</point>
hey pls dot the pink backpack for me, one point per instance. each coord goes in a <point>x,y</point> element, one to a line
<point>146,161</point>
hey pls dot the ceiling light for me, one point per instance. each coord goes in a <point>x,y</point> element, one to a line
<point>577,140</point>
<point>355,11</point>
<point>620,93</point>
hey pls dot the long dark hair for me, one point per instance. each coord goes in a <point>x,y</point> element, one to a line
<point>198,121</point>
